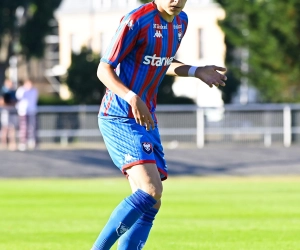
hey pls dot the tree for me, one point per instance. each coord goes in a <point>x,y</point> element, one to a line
<point>270,33</point>
<point>145,1</point>
<point>82,79</point>
<point>23,26</point>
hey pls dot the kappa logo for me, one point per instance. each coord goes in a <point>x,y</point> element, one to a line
<point>128,158</point>
<point>122,228</point>
<point>129,23</point>
<point>147,147</point>
<point>141,245</point>
<point>158,34</point>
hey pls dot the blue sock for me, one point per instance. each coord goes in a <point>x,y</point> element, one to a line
<point>136,236</point>
<point>122,218</point>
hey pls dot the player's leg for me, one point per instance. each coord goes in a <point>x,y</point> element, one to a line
<point>12,138</point>
<point>4,132</point>
<point>4,128</point>
<point>147,180</point>
<point>31,142</point>
<point>137,235</point>
<point>22,132</point>
<point>131,149</point>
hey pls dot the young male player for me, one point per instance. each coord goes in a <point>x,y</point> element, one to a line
<point>140,54</point>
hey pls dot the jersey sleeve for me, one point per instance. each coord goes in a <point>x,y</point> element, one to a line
<point>123,41</point>
<point>185,21</point>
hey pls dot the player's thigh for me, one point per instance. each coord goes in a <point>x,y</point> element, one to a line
<point>147,178</point>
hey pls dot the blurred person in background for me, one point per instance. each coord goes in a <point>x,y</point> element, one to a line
<point>8,115</point>
<point>140,54</point>
<point>27,98</point>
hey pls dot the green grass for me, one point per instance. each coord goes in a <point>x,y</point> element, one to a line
<point>197,213</point>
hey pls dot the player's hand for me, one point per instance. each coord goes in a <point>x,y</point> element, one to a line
<point>211,76</point>
<point>141,113</point>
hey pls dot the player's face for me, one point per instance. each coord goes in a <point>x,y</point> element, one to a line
<point>170,8</point>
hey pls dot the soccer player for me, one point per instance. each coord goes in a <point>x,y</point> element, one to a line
<point>141,52</point>
<point>8,115</point>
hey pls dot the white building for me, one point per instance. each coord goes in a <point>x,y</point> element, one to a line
<point>92,23</point>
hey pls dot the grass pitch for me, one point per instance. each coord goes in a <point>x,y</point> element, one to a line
<point>197,213</point>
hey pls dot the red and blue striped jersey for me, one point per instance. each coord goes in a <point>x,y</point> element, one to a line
<point>141,51</point>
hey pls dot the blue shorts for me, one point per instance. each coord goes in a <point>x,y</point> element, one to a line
<point>130,144</point>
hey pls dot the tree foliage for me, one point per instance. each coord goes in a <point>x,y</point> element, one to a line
<point>39,13</point>
<point>26,35</point>
<point>145,1</point>
<point>82,79</point>
<point>270,32</point>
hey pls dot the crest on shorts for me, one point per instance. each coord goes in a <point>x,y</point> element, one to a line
<point>141,245</point>
<point>147,147</point>
<point>121,229</point>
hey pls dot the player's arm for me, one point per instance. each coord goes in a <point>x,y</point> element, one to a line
<point>208,74</point>
<point>110,79</point>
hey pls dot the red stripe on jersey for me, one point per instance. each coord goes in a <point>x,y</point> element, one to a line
<point>139,58</point>
<point>143,11</point>
<point>116,48</point>
<point>170,38</point>
<point>108,104</point>
<point>169,53</point>
<point>143,33</point>
<point>139,55</point>
<point>157,51</point>
<point>153,88</point>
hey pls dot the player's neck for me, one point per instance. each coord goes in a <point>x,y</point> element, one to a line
<point>163,13</point>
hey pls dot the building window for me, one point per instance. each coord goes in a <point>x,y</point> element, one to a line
<point>122,3</point>
<point>105,3</point>
<point>104,42</point>
<point>200,43</point>
<point>126,3</point>
<point>76,44</point>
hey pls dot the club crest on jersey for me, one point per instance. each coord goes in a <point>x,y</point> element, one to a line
<point>147,147</point>
<point>158,34</point>
<point>179,35</point>
<point>129,23</point>
<point>122,228</point>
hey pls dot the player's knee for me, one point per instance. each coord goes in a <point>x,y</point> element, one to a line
<point>157,205</point>
<point>157,195</point>
<point>154,190</point>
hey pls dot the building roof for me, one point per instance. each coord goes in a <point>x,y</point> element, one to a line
<point>88,6</point>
